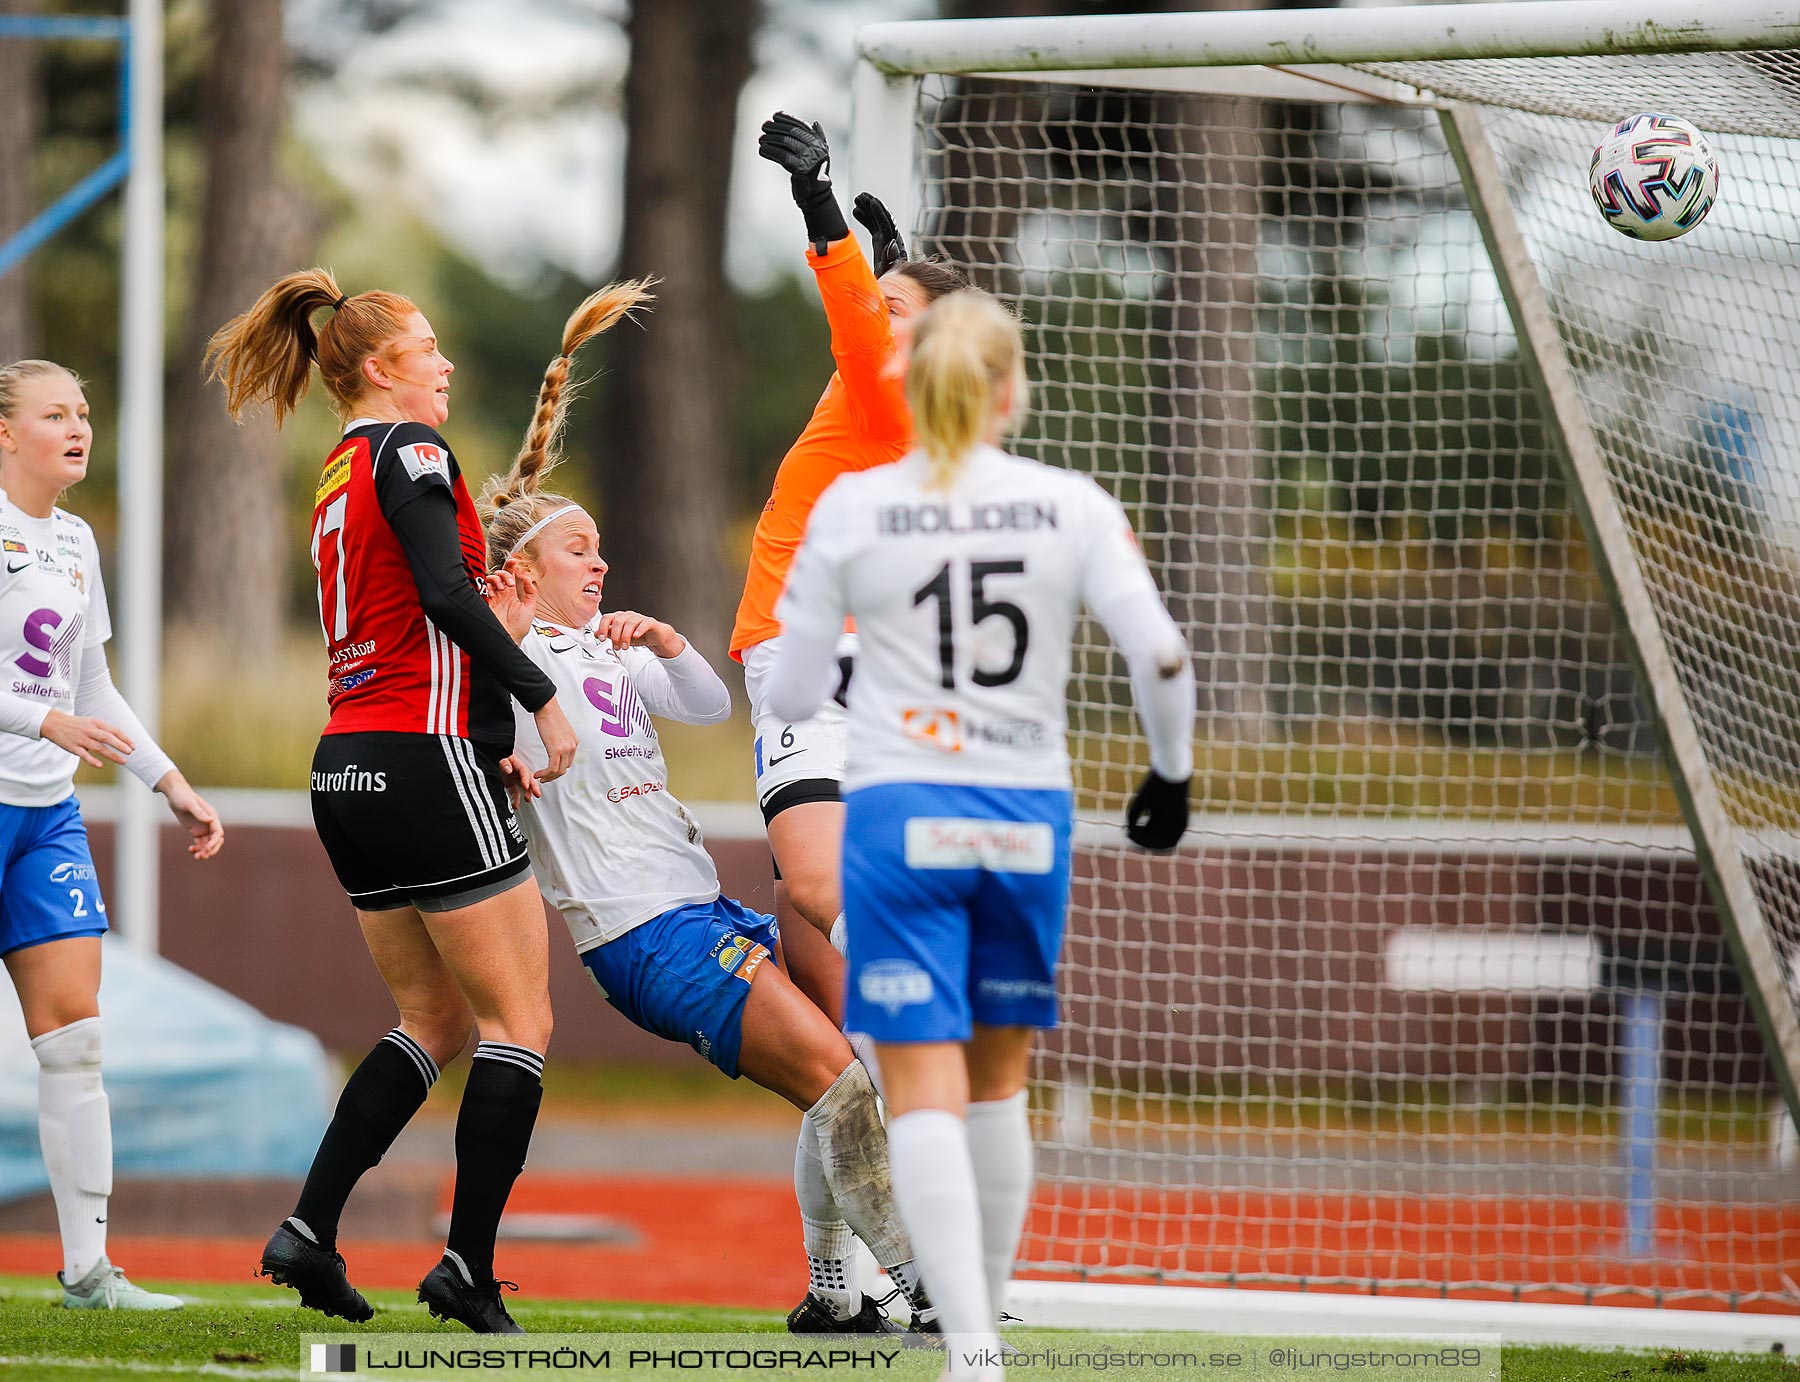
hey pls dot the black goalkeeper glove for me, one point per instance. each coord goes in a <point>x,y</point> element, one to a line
<point>1158,815</point>
<point>884,236</point>
<point>802,150</point>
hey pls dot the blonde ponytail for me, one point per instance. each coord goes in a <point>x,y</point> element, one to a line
<point>512,502</point>
<point>965,347</point>
<point>266,355</point>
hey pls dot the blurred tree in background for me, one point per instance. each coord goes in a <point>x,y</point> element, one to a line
<point>1427,569</point>
<point>226,480</point>
<point>18,130</point>
<point>669,404</point>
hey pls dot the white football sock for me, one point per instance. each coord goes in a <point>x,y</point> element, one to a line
<point>830,1249</point>
<point>1000,1151</point>
<point>905,1275</point>
<point>853,1149</point>
<point>862,1045</point>
<point>934,1184</point>
<point>76,1131</point>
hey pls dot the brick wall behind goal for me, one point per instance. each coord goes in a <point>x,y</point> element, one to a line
<point>1273,970</point>
<point>1266,963</point>
<point>266,921</point>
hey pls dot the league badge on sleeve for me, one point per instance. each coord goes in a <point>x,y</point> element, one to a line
<point>423,458</point>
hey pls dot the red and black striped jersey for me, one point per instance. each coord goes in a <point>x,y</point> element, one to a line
<point>400,555</point>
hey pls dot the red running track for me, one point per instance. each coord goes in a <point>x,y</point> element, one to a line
<point>698,1242</point>
<point>736,1242</point>
<point>1132,1234</point>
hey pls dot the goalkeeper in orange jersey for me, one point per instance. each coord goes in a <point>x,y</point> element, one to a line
<point>861,420</point>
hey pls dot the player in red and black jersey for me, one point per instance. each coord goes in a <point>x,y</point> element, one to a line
<point>409,784</point>
<point>412,652</point>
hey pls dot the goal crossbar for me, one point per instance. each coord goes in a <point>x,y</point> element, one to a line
<point>1249,38</point>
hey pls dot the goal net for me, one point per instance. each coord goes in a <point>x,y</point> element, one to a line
<point>1463,983</point>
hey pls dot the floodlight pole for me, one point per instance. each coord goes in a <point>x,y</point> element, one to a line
<point>139,597</point>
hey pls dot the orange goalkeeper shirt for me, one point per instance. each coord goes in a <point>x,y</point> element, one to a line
<point>861,421</point>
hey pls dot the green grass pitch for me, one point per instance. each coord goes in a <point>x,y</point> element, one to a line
<point>256,1332</point>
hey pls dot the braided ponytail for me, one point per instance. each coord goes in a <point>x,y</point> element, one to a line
<point>512,502</point>
<point>539,453</point>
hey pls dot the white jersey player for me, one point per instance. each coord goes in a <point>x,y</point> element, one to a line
<point>54,622</point>
<point>58,706</point>
<point>623,862</point>
<point>612,847</point>
<point>965,569</point>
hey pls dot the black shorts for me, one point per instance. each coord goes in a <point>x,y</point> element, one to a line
<point>417,820</point>
<point>804,792</point>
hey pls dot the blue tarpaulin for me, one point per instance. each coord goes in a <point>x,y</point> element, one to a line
<point>201,1084</point>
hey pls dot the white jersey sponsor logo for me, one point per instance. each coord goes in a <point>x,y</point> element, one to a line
<point>610,844</point>
<point>938,842</point>
<point>52,613</point>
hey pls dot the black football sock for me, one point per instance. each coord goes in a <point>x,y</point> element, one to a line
<point>493,1133</point>
<point>383,1093</point>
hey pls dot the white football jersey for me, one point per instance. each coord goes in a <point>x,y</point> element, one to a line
<point>965,604</point>
<point>610,845</point>
<point>52,611</point>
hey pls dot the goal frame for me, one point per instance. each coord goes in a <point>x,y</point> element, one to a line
<point>1295,55</point>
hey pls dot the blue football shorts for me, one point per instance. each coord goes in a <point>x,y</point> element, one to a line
<point>955,900</point>
<point>48,888</point>
<point>686,974</point>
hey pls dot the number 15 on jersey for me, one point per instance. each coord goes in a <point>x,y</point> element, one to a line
<point>983,605</point>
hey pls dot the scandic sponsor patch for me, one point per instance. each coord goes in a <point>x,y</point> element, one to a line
<point>949,842</point>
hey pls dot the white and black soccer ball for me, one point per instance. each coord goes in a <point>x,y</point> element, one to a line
<point>1654,177</point>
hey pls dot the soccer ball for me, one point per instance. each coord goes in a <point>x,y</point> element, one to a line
<point>1654,177</point>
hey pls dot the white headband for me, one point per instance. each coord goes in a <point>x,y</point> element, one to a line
<point>539,527</point>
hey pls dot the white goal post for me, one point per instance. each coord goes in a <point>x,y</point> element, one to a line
<point>1478,976</point>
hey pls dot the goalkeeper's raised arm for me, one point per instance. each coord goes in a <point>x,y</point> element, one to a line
<point>802,150</point>
<point>861,421</point>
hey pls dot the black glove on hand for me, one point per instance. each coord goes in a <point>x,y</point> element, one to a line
<point>802,150</point>
<point>1158,814</point>
<point>884,236</point>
